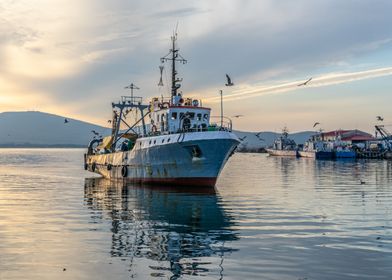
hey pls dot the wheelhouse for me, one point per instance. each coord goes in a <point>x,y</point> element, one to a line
<point>178,116</point>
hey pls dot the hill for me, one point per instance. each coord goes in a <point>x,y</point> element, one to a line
<point>37,129</point>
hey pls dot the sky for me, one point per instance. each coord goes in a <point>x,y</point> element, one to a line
<point>73,58</point>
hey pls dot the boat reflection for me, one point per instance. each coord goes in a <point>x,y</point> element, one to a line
<point>174,225</point>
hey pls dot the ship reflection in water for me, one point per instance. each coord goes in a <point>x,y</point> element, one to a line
<point>173,227</point>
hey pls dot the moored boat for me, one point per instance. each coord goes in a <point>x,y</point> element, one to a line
<point>180,144</point>
<point>284,146</point>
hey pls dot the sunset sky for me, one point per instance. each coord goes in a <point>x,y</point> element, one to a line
<point>73,58</point>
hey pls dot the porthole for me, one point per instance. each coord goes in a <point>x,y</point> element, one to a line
<point>163,140</point>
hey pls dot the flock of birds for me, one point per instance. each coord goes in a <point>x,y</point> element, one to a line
<point>230,83</point>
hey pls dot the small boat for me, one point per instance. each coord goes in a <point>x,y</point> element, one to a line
<point>308,150</point>
<point>284,146</point>
<point>318,150</point>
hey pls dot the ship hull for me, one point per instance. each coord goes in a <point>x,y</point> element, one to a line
<point>186,159</point>
<point>345,154</point>
<point>307,154</point>
<point>283,153</point>
<point>324,155</point>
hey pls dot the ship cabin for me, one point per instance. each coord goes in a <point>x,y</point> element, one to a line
<point>178,115</point>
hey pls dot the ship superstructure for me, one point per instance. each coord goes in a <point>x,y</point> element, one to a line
<point>174,140</point>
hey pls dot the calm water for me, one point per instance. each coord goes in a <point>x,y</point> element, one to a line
<point>267,218</point>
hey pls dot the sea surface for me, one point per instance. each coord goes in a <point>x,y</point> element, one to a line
<point>267,218</point>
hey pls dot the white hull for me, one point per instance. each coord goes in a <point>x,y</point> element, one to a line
<point>284,153</point>
<point>307,154</point>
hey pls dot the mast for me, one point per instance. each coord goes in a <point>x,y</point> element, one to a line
<point>132,86</point>
<point>174,57</point>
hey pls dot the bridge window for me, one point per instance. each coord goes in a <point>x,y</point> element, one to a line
<point>205,117</point>
<point>174,116</point>
<point>199,117</point>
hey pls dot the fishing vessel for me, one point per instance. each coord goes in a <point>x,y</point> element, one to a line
<point>284,146</point>
<point>172,141</point>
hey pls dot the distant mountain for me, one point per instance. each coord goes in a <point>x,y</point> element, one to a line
<point>37,129</point>
<point>251,141</point>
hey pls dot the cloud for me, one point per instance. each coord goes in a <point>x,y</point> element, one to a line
<point>251,91</point>
<point>177,12</point>
<point>73,52</point>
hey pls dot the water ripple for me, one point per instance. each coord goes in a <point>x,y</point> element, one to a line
<point>268,218</point>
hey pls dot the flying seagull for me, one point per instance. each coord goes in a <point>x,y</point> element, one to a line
<point>242,139</point>
<point>315,124</point>
<point>66,121</point>
<point>229,82</point>
<point>237,116</point>
<point>258,135</point>
<point>380,118</point>
<point>305,83</point>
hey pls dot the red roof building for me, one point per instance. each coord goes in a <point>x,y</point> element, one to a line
<point>352,136</point>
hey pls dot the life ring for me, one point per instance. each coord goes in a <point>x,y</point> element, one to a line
<point>124,171</point>
<point>93,166</point>
<point>109,167</point>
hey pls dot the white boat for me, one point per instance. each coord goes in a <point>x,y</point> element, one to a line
<point>283,146</point>
<point>174,141</point>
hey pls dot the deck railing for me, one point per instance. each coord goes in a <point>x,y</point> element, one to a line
<point>221,123</point>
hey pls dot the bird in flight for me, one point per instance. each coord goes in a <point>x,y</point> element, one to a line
<point>66,121</point>
<point>237,116</point>
<point>242,139</point>
<point>315,124</point>
<point>305,83</point>
<point>380,118</point>
<point>229,82</point>
<point>259,137</point>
